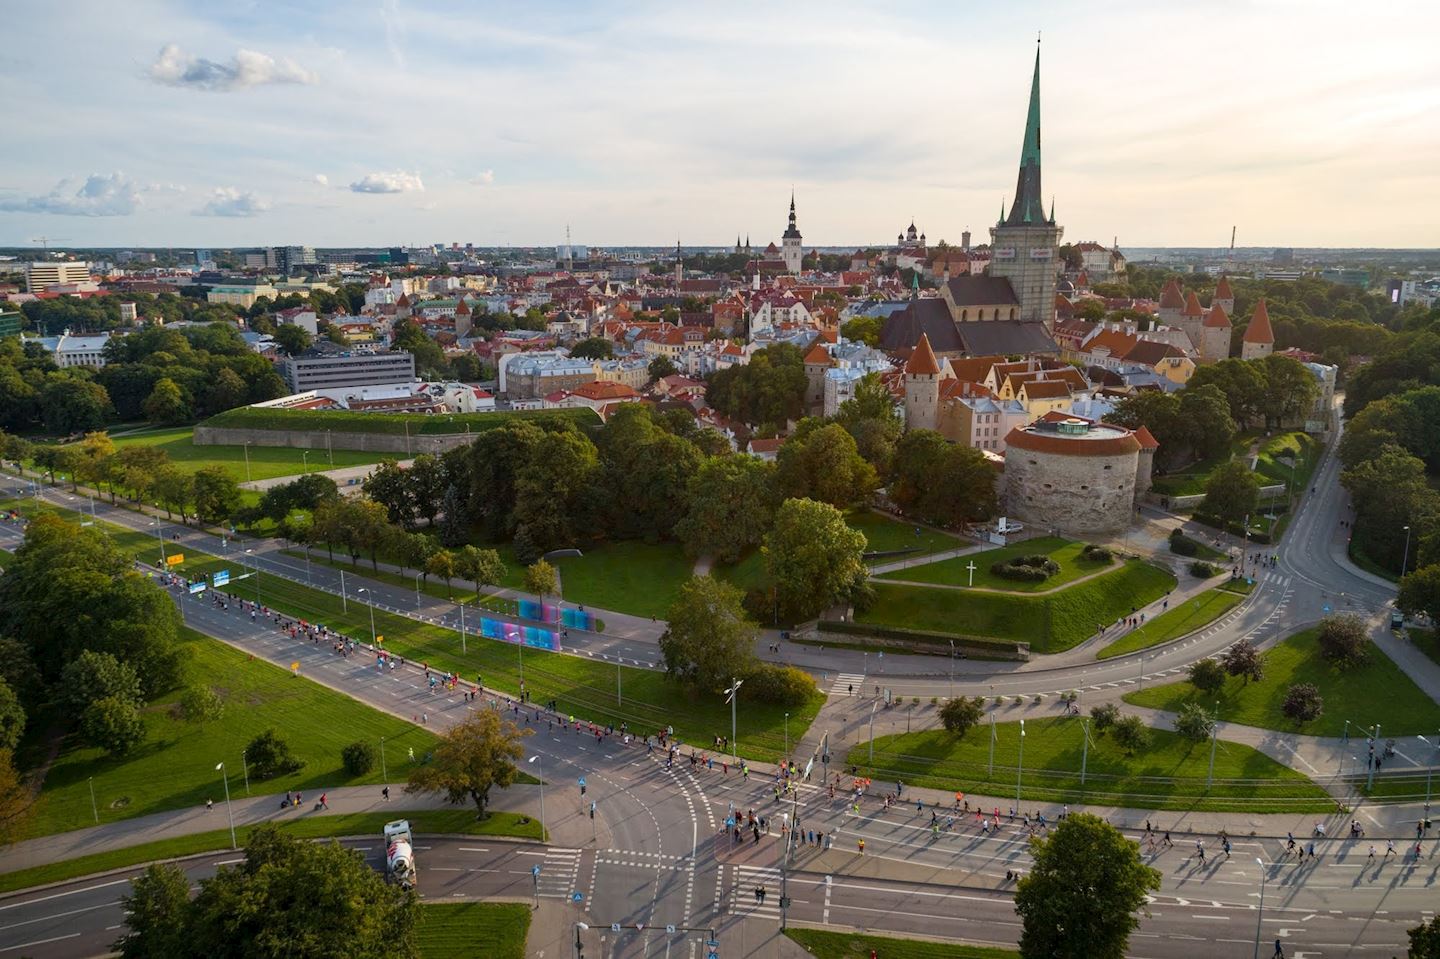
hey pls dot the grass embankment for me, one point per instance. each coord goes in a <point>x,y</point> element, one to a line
<point>1427,641</point>
<point>884,534</point>
<point>1192,479</point>
<point>582,686</point>
<point>1199,550</point>
<point>1050,622</point>
<point>1169,773</point>
<point>472,930</point>
<point>424,822</point>
<point>642,579</point>
<point>825,944</point>
<point>458,591</point>
<point>417,424</point>
<point>266,462</point>
<point>1172,624</point>
<point>955,572</point>
<point>175,766</point>
<point>1376,692</point>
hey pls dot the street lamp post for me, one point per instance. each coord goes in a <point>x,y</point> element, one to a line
<point>1020,764</point>
<point>1370,779</point>
<point>1214,733</point>
<point>1084,748</point>
<point>732,694</point>
<point>1430,769</point>
<point>228,811</point>
<point>873,706</point>
<point>245,768</point>
<point>95,808</point>
<point>417,590</point>
<point>787,736</point>
<point>384,773</point>
<point>1405,560</point>
<point>1261,911</point>
<point>247,460</point>
<point>255,568</point>
<point>369,601</point>
<point>305,461</point>
<point>541,776</point>
<point>462,628</point>
<point>952,669</point>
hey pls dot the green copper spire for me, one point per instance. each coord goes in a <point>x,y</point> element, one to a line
<point>1029,206</point>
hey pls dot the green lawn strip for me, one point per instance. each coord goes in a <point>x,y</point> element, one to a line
<point>1051,622</point>
<point>1377,692</point>
<point>1427,641</point>
<point>464,930</point>
<point>1170,773</point>
<point>824,944</point>
<point>1172,624</point>
<point>1244,587</point>
<point>460,590</point>
<point>1299,447</point>
<point>175,766</point>
<point>581,686</point>
<point>266,462</point>
<point>629,576</point>
<point>1202,551</point>
<point>884,534</point>
<point>747,574</point>
<point>955,572</point>
<point>426,821</point>
<point>417,424</point>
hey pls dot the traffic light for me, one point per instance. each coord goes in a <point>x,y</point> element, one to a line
<point>592,809</point>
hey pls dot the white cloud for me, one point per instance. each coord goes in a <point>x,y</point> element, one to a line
<point>483,178</point>
<point>322,179</point>
<point>247,68</point>
<point>228,201</point>
<point>397,182</point>
<point>99,195</point>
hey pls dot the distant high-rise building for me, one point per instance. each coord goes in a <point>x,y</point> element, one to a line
<point>202,256</point>
<point>1025,241</point>
<point>288,258</point>
<point>39,277</point>
<point>399,256</point>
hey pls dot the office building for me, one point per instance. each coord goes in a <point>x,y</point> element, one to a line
<point>327,366</point>
<point>39,277</point>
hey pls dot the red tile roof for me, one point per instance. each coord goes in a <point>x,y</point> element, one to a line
<point>1171,298</point>
<point>1216,318</point>
<point>922,360</point>
<point>1192,305</point>
<point>1259,330</point>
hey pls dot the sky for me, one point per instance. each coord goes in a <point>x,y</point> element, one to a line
<point>155,123</point>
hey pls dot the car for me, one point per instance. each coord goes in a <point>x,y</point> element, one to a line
<point>1397,619</point>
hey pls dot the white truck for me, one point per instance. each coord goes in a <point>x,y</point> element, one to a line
<point>400,854</point>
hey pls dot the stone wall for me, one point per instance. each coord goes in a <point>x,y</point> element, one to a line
<point>320,440</point>
<point>1075,494</point>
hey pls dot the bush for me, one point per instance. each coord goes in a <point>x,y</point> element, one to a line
<point>1344,640</point>
<point>1302,703</point>
<point>1104,716</point>
<point>1182,544</point>
<point>1193,723</point>
<point>200,704</point>
<point>358,758</point>
<point>1029,569</point>
<point>270,756</point>
<point>1132,734</point>
<point>1243,659</point>
<point>1097,554</point>
<point>959,714</point>
<point>779,685</point>
<point>113,724</point>
<point>1204,570</point>
<point>1207,675</point>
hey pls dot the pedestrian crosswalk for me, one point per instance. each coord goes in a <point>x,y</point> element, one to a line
<point>559,873</point>
<point>846,683</point>
<point>748,879</point>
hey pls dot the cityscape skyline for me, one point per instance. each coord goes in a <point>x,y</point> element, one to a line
<point>444,122</point>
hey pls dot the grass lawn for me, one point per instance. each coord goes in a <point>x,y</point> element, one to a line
<point>266,462</point>
<point>1279,451</point>
<point>418,424</point>
<point>175,766</point>
<point>747,574</point>
<point>581,686</point>
<point>460,590</point>
<point>1175,623</point>
<point>1202,551</point>
<point>884,534</point>
<point>954,572</point>
<point>1051,622</point>
<point>1427,641</point>
<point>1192,479</point>
<point>825,944</point>
<point>1168,774</point>
<point>1378,692</point>
<point>628,576</point>
<point>472,930</point>
<point>424,822</point>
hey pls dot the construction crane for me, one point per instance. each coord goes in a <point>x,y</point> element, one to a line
<point>44,242</point>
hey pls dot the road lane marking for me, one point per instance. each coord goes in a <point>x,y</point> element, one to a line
<point>40,942</point>
<point>61,895</point>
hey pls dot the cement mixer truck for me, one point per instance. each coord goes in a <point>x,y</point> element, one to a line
<point>400,854</point>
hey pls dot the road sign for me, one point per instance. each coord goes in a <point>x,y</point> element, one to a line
<point>175,560</point>
<point>1326,608</point>
<point>576,897</point>
<point>730,822</point>
<point>614,927</point>
<point>670,927</point>
<point>639,927</point>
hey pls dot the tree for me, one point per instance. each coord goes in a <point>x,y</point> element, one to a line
<point>156,910</point>
<point>959,714</point>
<point>709,639</point>
<point>1207,675</point>
<point>1302,703</point>
<point>1344,640</point>
<point>166,405</point>
<point>554,493</point>
<point>483,567</point>
<point>812,557</point>
<point>442,563</point>
<point>1131,734</point>
<point>1242,383</point>
<point>1420,593</point>
<point>358,758</point>
<point>1389,491</point>
<point>1425,940</point>
<point>227,392</point>
<point>389,485</point>
<point>864,329</point>
<point>175,490</point>
<point>93,675</point>
<point>471,759</point>
<point>645,471</point>
<point>1104,716</point>
<point>769,389</point>
<point>12,717</point>
<point>270,756</point>
<point>942,482</point>
<point>1082,897</point>
<point>594,348</point>
<point>732,502</point>
<point>541,579</point>
<point>217,495</point>
<point>201,704</point>
<point>1232,492</point>
<point>1290,390</point>
<point>305,492</point>
<point>293,339</point>
<point>112,724</point>
<point>661,367</point>
<point>69,404</point>
<point>1194,723</point>
<point>427,481</point>
<point>1243,659</point>
<point>821,462</point>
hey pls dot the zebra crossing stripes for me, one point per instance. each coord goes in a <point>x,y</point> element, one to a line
<point>559,872</point>
<point>845,682</point>
<point>742,895</point>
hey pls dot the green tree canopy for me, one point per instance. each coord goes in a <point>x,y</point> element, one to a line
<point>1232,492</point>
<point>474,757</point>
<point>812,557</point>
<point>709,639</point>
<point>732,502</point>
<point>821,462</point>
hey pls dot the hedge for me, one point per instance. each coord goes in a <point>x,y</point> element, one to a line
<point>981,647</point>
<point>1234,529</point>
<point>419,424</point>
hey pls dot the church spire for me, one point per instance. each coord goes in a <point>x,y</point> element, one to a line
<point>1029,206</point>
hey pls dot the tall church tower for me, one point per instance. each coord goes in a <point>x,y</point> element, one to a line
<point>1024,244</point>
<point>790,248</point>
